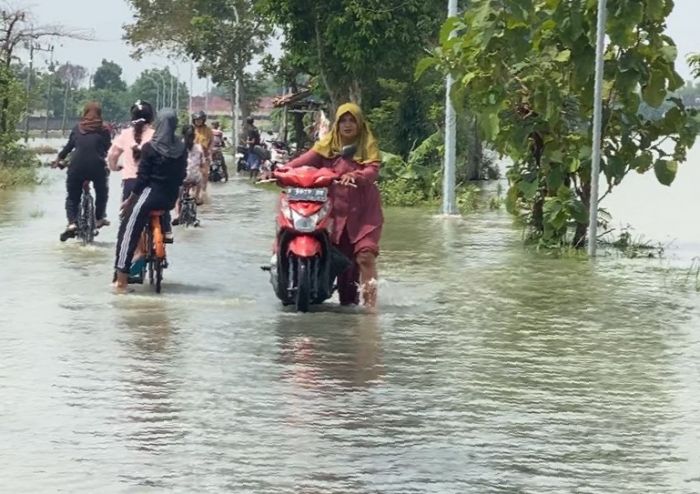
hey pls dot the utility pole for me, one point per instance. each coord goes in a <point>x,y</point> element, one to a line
<point>191,85</point>
<point>157,101</point>
<point>597,128</point>
<point>206,96</point>
<point>32,46</point>
<point>65,109</point>
<point>48,94</point>
<point>163,88</point>
<point>449,183</point>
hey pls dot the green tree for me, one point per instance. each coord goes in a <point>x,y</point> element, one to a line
<point>526,69</point>
<point>109,76</point>
<point>148,86</point>
<point>222,36</point>
<point>351,44</point>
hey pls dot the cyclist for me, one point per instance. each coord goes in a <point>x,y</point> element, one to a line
<point>162,169</point>
<point>205,138</point>
<point>90,140</point>
<point>195,158</point>
<point>131,139</point>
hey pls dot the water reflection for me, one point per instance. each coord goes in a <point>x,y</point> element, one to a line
<point>150,348</point>
<point>339,351</point>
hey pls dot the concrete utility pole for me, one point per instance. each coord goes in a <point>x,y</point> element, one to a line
<point>155,83</point>
<point>32,46</point>
<point>597,129</point>
<point>191,85</point>
<point>163,88</point>
<point>48,94</point>
<point>449,183</point>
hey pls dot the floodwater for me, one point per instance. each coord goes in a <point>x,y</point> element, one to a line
<point>488,369</point>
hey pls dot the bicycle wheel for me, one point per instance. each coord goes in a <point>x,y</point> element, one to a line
<point>150,257</point>
<point>86,223</point>
<point>158,274</point>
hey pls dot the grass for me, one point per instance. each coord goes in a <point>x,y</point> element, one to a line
<point>11,176</point>
<point>44,149</point>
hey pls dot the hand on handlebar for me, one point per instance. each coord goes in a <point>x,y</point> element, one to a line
<point>348,180</point>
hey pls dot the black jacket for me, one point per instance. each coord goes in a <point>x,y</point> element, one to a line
<point>90,150</point>
<point>161,173</point>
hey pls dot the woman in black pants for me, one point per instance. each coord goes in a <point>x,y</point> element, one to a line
<point>162,170</point>
<point>91,140</point>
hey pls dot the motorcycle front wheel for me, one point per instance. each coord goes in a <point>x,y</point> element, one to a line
<point>303,284</point>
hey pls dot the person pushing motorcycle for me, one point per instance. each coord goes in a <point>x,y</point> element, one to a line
<point>357,212</point>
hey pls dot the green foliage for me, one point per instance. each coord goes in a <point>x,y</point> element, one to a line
<point>351,44</point>
<point>148,86</point>
<point>108,76</point>
<point>525,69</point>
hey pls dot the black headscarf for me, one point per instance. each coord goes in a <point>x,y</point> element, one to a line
<point>164,140</point>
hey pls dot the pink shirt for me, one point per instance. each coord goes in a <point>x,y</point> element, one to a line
<point>122,146</point>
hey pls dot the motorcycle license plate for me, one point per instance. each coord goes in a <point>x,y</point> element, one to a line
<point>310,195</point>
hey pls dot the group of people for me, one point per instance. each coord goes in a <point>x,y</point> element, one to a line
<point>156,159</point>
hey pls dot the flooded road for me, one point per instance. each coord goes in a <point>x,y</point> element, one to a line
<point>489,369</point>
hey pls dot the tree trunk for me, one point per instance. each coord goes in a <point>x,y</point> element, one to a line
<point>322,73</point>
<point>299,130</point>
<point>355,92</point>
<point>582,228</point>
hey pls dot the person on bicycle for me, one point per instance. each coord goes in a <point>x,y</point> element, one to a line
<point>357,208</point>
<point>205,138</point>
<point>128,143</point>
<point>195,158</point>
<point>89,141</point>
<point>218,145</point>
<point>162,170</point>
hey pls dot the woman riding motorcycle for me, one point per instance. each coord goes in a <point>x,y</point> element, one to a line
<point>162,170</point>
<point>90,140</point>
<point>357,208</point>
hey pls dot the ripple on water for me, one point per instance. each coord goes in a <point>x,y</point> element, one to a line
<point>487,369</point>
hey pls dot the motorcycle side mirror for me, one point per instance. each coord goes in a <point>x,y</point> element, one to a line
<point>348,151</point>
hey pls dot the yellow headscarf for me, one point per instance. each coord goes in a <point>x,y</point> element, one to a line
<point>367,148</point>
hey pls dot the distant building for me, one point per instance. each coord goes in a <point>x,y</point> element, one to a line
<point>221,107</point>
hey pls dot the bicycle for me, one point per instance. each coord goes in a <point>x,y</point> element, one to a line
<point>156,260</point>
<point>87,227</point>
<point>188,208</point>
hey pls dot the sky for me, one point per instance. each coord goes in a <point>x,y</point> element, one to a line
<point>106,18</point>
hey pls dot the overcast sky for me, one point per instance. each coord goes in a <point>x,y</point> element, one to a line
<point>106,18</point>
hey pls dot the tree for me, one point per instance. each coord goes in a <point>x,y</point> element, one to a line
<point>19,29</point>
<point>109,76</point>
<point>149,87</point>
<point>350,44</point>
<point>222,36</point>
<point>525,68</point>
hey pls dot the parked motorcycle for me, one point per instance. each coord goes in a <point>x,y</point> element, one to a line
<point>305,265</point>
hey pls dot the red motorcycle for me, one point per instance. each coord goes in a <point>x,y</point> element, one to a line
<point>305,265</point>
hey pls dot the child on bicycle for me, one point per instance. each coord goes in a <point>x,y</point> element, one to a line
<point>195,161</point>
<point>127,145</point>
<point>162,169</point>
<point>89,142</point>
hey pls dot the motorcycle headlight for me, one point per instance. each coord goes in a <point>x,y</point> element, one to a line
<point>308,224</point>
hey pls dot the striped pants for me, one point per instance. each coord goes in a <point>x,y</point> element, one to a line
<point>132,226</point>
